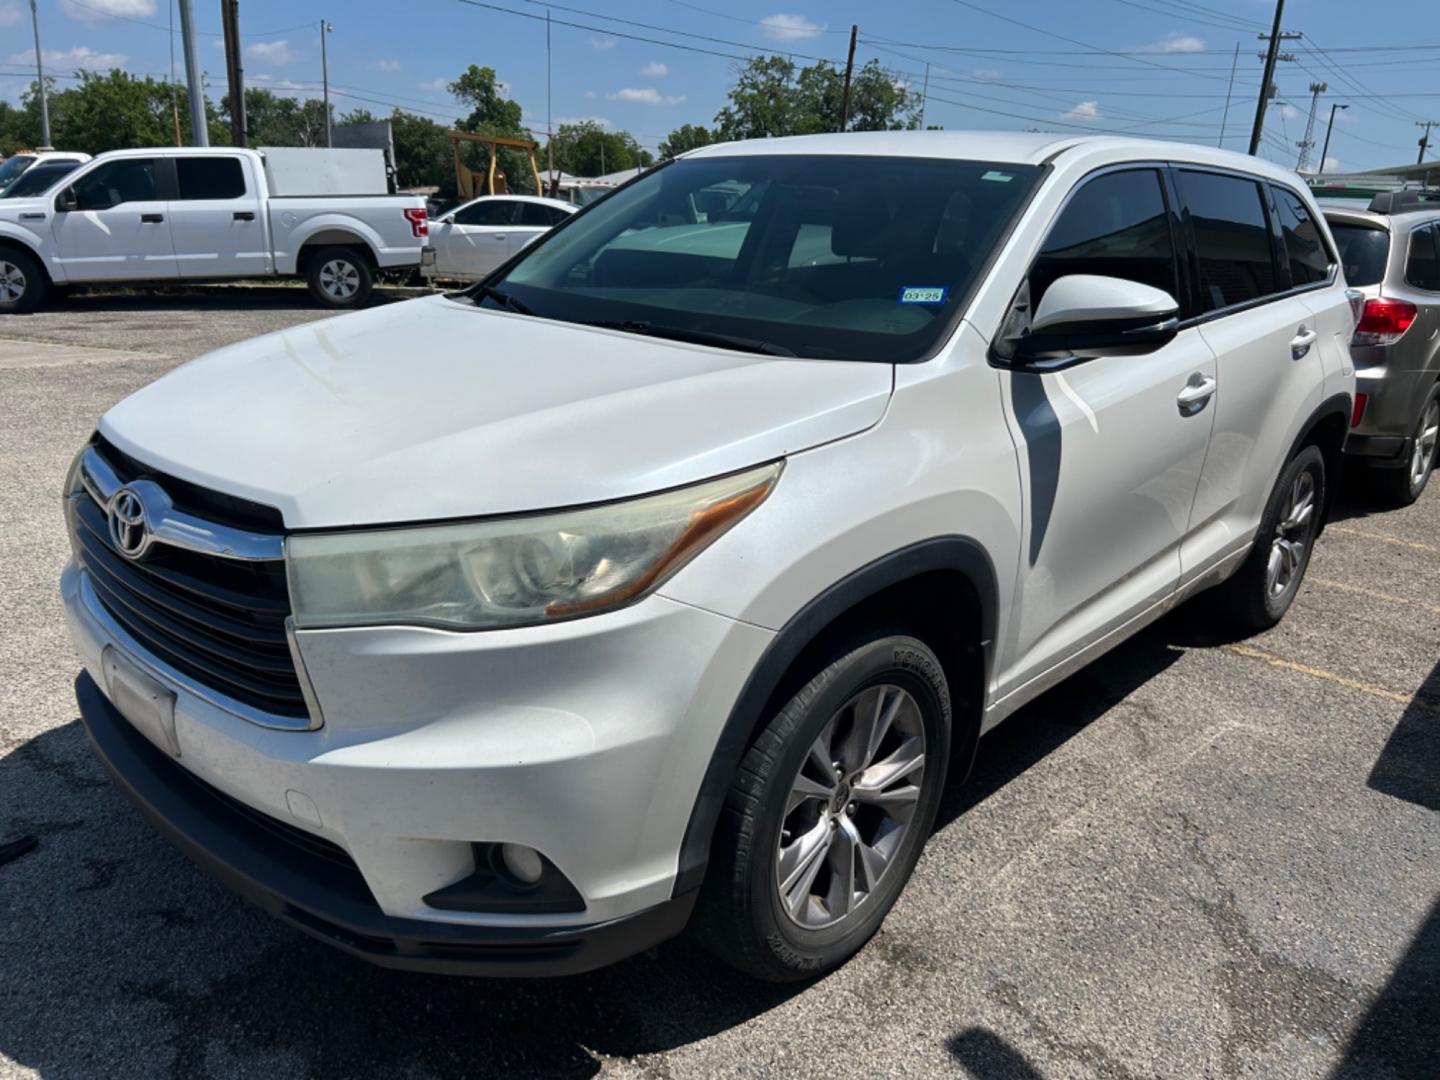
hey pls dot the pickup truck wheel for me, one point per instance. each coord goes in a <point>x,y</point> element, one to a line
<point>828,814</point>
<point>22,283</point>
<point>1259,594</point>
<point>339,278</point>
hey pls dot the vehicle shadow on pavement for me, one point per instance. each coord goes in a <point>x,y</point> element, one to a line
<point>118,957</point>
<point>248,298</point>
<point>984,1055</point>
<point>1409,766</point>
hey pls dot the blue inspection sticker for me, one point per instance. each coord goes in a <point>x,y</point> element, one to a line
<point>923,294</point>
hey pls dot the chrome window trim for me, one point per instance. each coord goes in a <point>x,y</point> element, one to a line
<point>175,527</point>
<point>138,654</point>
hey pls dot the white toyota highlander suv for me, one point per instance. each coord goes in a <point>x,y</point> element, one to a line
<point>674,568</point>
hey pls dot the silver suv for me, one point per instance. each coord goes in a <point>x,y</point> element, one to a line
<point>1391,253</point>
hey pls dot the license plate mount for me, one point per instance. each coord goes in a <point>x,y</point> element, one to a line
<point>143,700</point>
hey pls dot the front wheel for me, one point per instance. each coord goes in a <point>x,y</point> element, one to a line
<point>23,283</point>
<point>338,278</point>
<point>1259,594</point>
<point>826,819</point>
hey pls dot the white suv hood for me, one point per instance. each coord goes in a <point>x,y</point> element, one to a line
<point>437,409</point>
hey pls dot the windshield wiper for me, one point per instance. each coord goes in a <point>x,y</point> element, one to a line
<point>694,337</point>
<point>504,299</point>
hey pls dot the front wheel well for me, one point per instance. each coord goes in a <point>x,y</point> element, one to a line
<point>7,244</point>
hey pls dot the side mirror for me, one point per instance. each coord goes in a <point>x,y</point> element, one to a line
<point>66,200</point>
<point>448,219</point>
<point>1086,315</point>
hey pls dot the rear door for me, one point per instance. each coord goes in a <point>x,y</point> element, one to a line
<point>118,230</point>
<point>1111,448</point>
<point>1265,340</point>
<point>535,220</point>
<point>475,239</point>
<point>216,220</point>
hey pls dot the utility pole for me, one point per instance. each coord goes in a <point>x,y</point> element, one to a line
<point>1226,117</point>
<point>924,96</point>
<point>40,82</point>
<point>199,128</point>
<point>1425,139</point>
<point>325,28</point>
<point>1271,55</point>
<point>234,72</point>
<point>549,130</point>
<point>1316,89</point>
<point>1325,151</point>
<point>849,70</point>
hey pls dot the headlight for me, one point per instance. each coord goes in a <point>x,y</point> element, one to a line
<point>515,571</point>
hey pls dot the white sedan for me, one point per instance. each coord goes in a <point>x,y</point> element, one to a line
<point>473,239</point>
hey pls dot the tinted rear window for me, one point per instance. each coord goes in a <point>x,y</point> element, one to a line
<point>1422,268</point>
<point>1232,238</point>
<point>1304,247</point>
<point>210,177</point>
<point>1363,251</point>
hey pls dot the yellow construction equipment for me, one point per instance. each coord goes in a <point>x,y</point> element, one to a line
<point>491,182</point>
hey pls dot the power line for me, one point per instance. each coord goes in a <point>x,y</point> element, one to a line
<point>167,30</point>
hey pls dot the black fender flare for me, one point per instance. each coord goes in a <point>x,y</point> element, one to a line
<point>952,553</point>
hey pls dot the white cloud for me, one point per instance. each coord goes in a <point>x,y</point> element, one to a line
<point>274,53</point>
<point>389,67</point>
<point>96,10</point>
<point>10,13</point>
<point>790,27</point>
<point>589,93</point>
<point>1085,110</point>
<point>1332,164</point>
<point>434,86</point>
<point>1288,111</point>
<point>1176,43</point>
<point>82,56</point>
<point>648,96</point>
<point>602,43</point>
<point>987,74</point>
<point>655,70</point>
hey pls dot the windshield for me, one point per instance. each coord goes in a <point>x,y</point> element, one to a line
<point>857,258</point>
<point>12,168</point>
<point>1363,251</point>
<point>38,180</point>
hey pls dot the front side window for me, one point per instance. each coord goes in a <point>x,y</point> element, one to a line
<point>210,177</point>
<point>1232,238</point>
<point>116,182</point>
<point>39,180</point>
<point>847,257</point>
<point>1305,249</point>
<point>490,213</point>
<point>1422,265</point>
<point>1116,225</point>
<point>1364,251</point>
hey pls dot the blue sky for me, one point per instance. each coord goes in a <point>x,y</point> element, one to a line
<point>1154,67</point>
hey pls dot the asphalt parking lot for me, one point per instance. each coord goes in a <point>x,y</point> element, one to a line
<point>1196,858</point>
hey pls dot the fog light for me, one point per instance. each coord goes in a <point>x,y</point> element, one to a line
<point>522,863</point>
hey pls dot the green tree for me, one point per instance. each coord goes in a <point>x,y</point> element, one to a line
<point>772,97</point>
<point>587,149</point>
<point>273,119</point>
<point>492,113</point>
<point>422,153</point>
<point>111,111</point>
<point>685,137</point>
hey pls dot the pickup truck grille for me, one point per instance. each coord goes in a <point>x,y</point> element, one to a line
<point>220,621</point>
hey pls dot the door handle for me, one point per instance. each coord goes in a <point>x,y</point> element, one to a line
<point>1195,393</point>
<point>1301,342</point>
<point>152,219</point>
<point>244,215</point>
<point>497,236</point>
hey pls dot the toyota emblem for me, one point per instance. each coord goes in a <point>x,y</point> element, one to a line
<point>129,530</point>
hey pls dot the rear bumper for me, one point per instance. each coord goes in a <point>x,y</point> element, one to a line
<point>314,889</point>
<point>1378,449</point>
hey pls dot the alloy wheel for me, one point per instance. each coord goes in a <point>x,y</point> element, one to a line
<point>1426,437</point>
<point>339,279</point>
<point>1293,534</point>
<point>12,282</point>
<point>850,806</point>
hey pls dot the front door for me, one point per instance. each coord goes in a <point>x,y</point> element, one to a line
<point>475,239</point>
<point>1110,449</point>
<point>118,229</point>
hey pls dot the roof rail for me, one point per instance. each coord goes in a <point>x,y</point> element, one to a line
<point>1396,202</point>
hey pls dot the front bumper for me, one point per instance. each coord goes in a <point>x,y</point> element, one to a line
<point>586,741</point>
<point>307,886</point>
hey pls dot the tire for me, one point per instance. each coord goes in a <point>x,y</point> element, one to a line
<point>339,278</point>
<point>1402,486</point>
<point>742,916</point>
<point>23,282</point>
<point>1257,596</point>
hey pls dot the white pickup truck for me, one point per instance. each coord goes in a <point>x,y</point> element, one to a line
<point>164,215</point>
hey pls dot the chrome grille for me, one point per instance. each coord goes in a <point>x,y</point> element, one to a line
<point>219,620</point>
